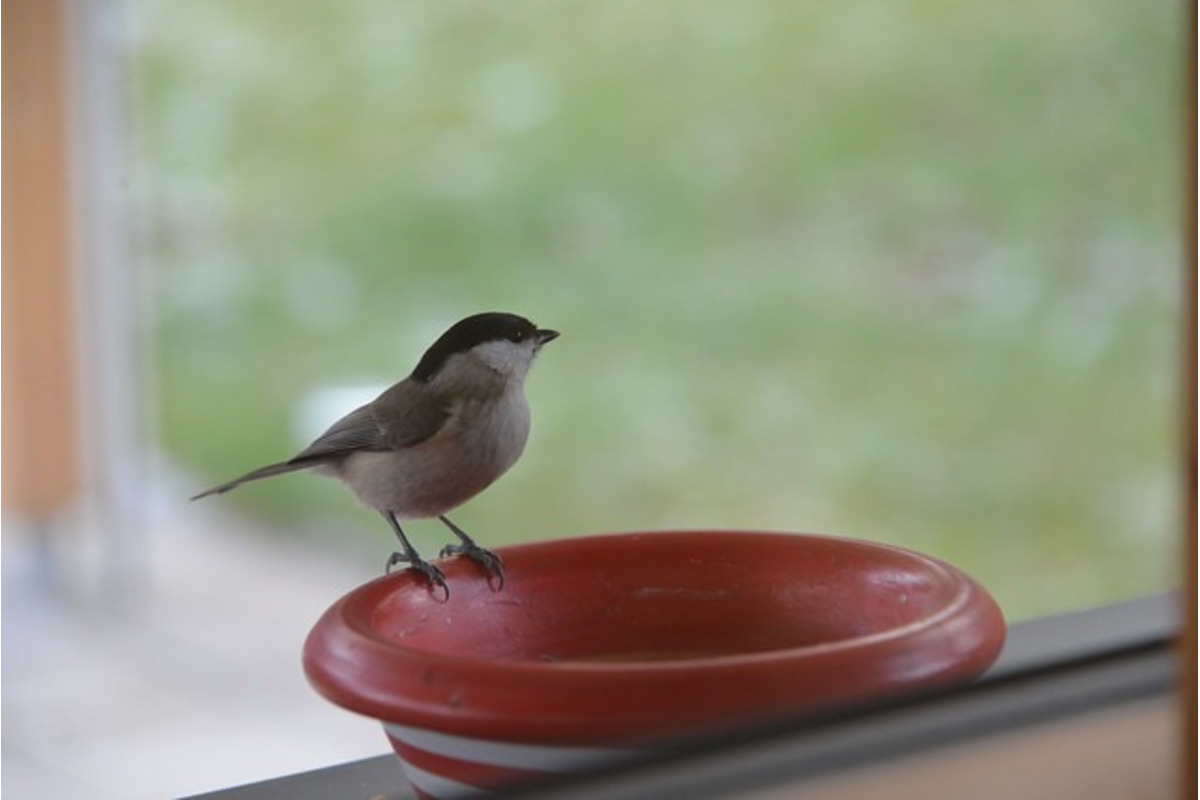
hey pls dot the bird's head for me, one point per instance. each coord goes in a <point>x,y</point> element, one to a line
<point>503,343</point>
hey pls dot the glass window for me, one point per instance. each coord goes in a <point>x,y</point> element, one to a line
<point>900,271</point>
<point>903,271</point>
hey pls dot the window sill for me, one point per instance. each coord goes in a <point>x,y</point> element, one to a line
<point>1088,683</point>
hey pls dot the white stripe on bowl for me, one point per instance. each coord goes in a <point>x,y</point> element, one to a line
<point>535,757</point>
<point>435,785</point>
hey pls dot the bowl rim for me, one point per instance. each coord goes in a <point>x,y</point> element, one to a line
<point>353,666</point>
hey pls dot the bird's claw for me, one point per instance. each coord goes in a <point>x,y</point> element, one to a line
<point>492,563</point>
<point>423,568</point>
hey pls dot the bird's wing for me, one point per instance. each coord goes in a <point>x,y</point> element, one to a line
<point>403,416</point>
<point>408,414</point>
<point>355,431</point>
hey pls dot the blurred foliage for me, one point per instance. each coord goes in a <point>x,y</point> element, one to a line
<point>899,270</point>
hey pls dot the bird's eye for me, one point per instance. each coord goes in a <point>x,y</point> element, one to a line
<point>518,336</point>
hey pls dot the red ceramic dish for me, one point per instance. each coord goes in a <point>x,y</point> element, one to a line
<point>610,642</point>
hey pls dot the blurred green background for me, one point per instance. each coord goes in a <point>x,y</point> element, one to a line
<point>903,271</point>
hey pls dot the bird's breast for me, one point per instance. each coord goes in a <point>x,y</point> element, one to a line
<point>493,434</point>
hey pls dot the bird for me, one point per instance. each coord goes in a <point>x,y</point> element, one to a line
<point>434,440</point>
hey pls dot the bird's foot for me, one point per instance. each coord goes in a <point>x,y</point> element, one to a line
<point>485,558</point>
<point>422,567</point>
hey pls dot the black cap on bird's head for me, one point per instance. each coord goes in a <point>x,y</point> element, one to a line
<point>475,330</point>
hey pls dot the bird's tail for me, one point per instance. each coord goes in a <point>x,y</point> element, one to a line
<point>258,474</point>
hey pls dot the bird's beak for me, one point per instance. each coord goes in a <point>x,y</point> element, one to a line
<point>544,336</point>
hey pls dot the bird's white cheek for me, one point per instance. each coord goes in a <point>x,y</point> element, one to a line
<point>507,358</point>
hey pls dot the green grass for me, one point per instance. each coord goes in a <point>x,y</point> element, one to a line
<point>902,271</point>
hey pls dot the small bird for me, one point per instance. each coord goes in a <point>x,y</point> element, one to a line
<point>436,439</point>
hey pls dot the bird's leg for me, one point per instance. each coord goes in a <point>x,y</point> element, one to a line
<point>467,547</point>
<point>412,558</point>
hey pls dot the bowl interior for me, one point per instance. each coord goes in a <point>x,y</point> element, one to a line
<point>662,597</point>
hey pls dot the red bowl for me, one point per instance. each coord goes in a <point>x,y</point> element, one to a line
<point>605,644</point>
